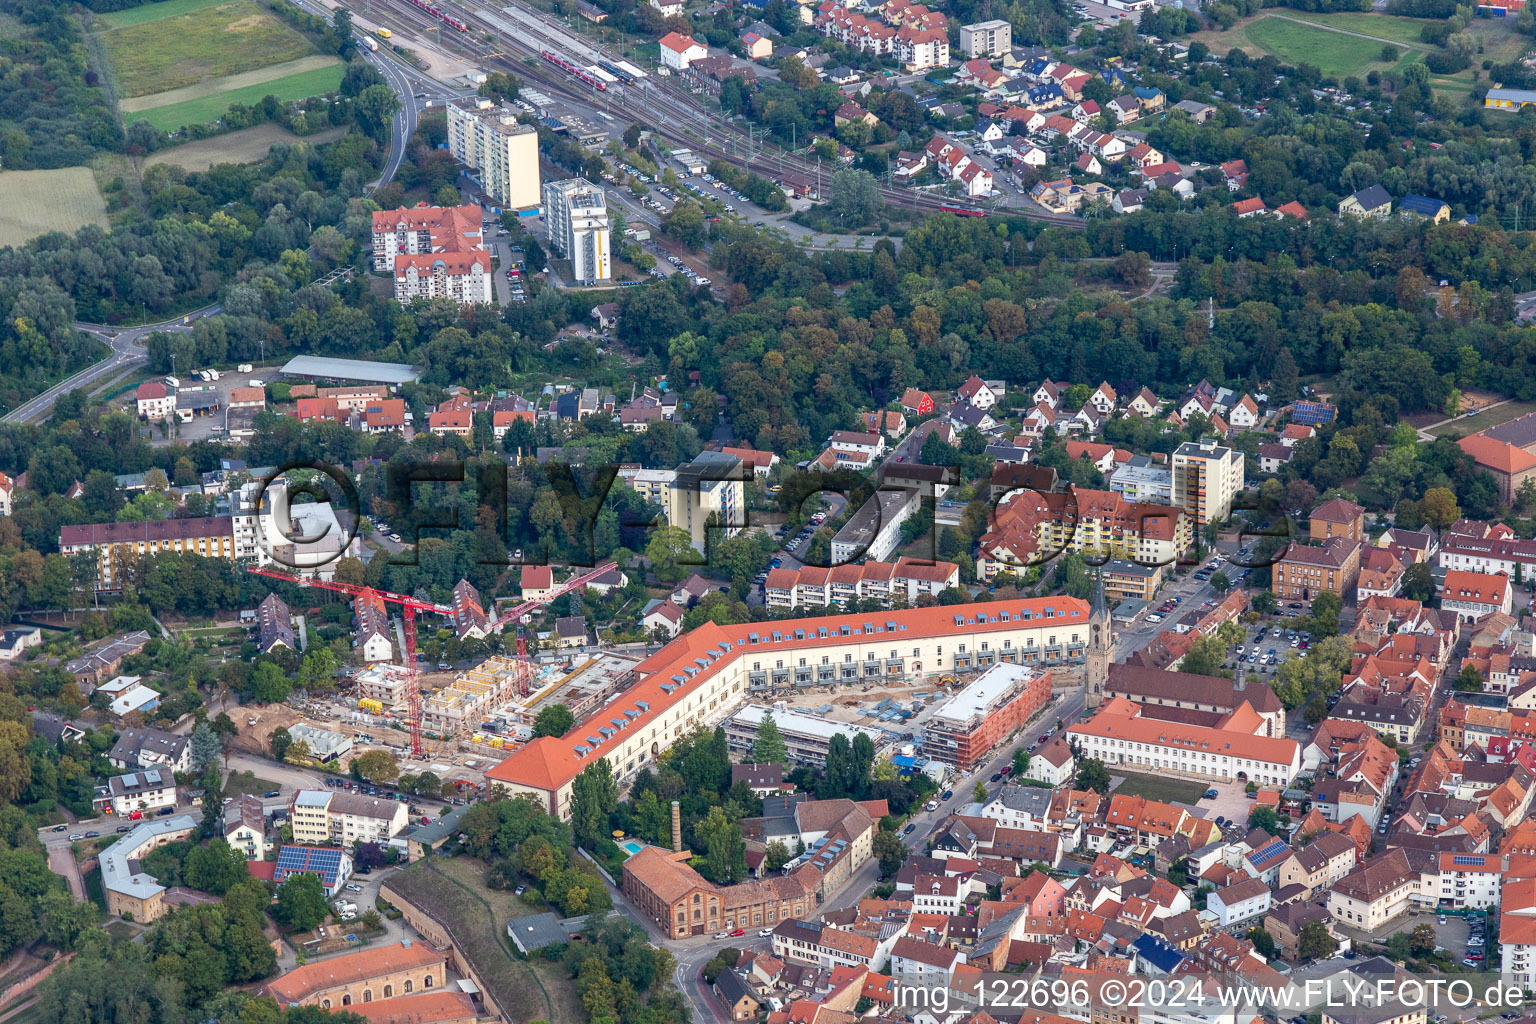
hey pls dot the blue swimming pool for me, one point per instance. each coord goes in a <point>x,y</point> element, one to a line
<point>631,846</point>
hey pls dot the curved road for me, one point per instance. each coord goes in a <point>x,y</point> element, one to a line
<point>127,342</point>
<point>127,345</point>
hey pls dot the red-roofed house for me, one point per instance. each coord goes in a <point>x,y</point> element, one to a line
<point>155,401</point>
<point>1472,595</point>
<point>1236,173</point>
<point>678,51</point>
<point>1249,207</point>
<point>1291,209</point>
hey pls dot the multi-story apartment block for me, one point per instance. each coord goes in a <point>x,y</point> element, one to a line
<point>435,252</point>
<point>707,493</point>
<point>1030,527</point>
<point>503,154</point>
<point>576,212</point>
<point>1206,477</point>
<point>703,675</point>
<point>116,545</point>
<point>306,539</point>
<point>320,816</point>
<point>812,587</point>
<point>987,38</point>
<point>464,277</point>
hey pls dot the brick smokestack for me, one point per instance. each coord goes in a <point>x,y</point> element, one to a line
<point>677,827</point>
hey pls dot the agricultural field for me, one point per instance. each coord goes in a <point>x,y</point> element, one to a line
<point>210,42</point>
<point>186,62</point>
<point>34,203</point>
<point>242,147</point>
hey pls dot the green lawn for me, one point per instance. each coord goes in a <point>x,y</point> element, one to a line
<point>1334,54</point>
<point>1381,26</point>
<point>154,12</point>
<point>211,108</point>
<point>210,41</point>
<point>245,784</point>
<point>1158,787</point>
<point>1483,420</point>
<point>93,890</point>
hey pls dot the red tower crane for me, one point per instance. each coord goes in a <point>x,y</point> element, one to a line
<point>518,611</point>
<point>411,605</point>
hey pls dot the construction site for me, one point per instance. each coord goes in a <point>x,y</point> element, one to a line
<point>488,704</point>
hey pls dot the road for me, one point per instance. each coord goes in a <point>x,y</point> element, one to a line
<point>127,344</point>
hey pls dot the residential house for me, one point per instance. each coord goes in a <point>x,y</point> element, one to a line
<point>1372,201</point>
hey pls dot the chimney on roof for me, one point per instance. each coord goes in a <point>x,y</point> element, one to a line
<point>677,827</point>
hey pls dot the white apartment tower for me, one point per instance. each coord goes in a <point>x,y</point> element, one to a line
<point>576,213</point>
<point>504,154</point>
<point>1206,477</point>
<point>986,38</point>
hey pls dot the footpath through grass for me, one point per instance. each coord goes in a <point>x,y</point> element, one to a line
<point>211,108</point>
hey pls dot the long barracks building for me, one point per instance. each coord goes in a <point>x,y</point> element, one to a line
<point>703,675</point>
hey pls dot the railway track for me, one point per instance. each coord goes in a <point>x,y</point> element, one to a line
<point>653,102</point>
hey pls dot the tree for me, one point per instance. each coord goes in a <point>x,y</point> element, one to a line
<point>855,198</point>
<point>1315,941</point>
<point>1262,941</point>
<point>670,552</point>
<point>1264,818</point>
<point>206,747</point>
<point>1421,941</point>
<point>213,799</point>
<point>1470,680</point>
<point>301,905</point>
<point>1220,583</point>
<point>1439,508</point>
<point>268,684</point>
<point>1020,762</point>
<point>769,747</point>
<point>1265,602</point>
<point>1326,608</point>
<point>1091,774</point>
<point>279,742</point>
<point>554,720</point>
<point>377,766</point>
<point>215,867</point>
<point>890,851</point>
<point>1205,656</point>
<point>725,850</point>
<point>594,796</point>
<point>1419,582</point>
<point>777,855</point>
<point>979,791</point>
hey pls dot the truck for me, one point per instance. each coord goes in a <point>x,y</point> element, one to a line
<point>243,368</point>
<point>373,44</point>
<point>212,373</point>
<point>173,382</point>
<point>383,33</point>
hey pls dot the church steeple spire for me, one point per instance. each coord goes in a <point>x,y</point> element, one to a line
<point>1101,645</point>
